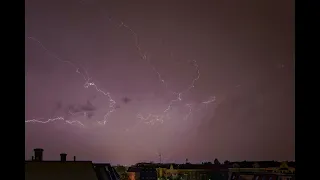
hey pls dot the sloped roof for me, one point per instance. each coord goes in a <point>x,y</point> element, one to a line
<point>262,164</point>
<point>211,167</point>
<point>105,171</point>
<point>203,166</point>
<point>254,176</point>
<point>57,170</point>
<point>134,169</point>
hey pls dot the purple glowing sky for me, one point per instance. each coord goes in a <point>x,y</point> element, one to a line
<point>245,53</point>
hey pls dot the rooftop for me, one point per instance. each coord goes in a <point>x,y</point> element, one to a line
<point>54,170</point>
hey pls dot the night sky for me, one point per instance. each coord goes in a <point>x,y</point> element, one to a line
<point>225,67</point>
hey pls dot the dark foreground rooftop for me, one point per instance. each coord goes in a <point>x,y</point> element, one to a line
<point>37,169</point>
<point>56,170</point>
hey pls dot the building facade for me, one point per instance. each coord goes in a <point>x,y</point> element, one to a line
<point>284,172</point>
<point>193,172</point>
<point>142,173</point>
<point>262,170</point>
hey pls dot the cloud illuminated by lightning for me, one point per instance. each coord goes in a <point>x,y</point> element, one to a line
<point>87,84</point>
<point>153,118</point>
<point>150,118</point>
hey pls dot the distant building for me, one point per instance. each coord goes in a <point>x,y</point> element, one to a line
<point>142,173</point>
<point>37,169</point>
<point>194,172</point>
<point>133,173</point>
<point>264,170</point>
<point>178,171</point>
<point>246,170</point>
<point>122,171</point>
<point>105,171</point>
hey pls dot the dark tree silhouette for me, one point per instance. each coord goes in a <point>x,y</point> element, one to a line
<point>226,162</point>
<point>216,161</point>
<point>122,171</point>
<point>207,163</point>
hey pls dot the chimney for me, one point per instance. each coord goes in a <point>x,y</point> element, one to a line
<point>74,158</point>
<point>38,154</point>
<point>63,157</point>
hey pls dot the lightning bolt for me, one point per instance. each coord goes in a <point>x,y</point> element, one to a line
<point>159,118</point>
<point>150,118</point>
<point>88,83</point>
<point>154,118</point>
<point>191,106</point>
<point>211,100</point>
<point>76,113</point>
<point>52,120</point>
<point>179,94</point>
<point>190,111</point>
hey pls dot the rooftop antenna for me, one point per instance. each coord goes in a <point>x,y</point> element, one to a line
<point>160,157</point>
<point>159,153</point>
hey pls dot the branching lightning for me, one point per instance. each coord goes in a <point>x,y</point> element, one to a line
<point>153,118</point>
<point>150,118</point>
<point>87,84</point>
<point>190,111</point>
<point>52,120</point>
<point>211,99</point>
<point>191,106</point>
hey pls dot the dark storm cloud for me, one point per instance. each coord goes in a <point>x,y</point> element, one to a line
<point>126,100</point>
<point>57,107</point>
<point>93,97</point>
<point>90,115</point>
<point>88,107</point>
